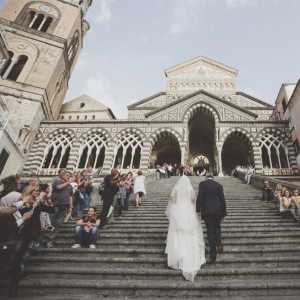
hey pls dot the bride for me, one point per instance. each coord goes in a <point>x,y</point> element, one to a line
<point>185,243</point>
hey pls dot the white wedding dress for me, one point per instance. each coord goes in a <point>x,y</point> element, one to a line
<point>185,243</point>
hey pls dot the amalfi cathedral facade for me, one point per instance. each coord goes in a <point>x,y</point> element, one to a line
<point>200,117</point>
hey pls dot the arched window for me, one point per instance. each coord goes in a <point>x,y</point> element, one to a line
<point>73,47</point>
<point>8,63</point>
<point>57,152</point>
<point>92,152</point>
<point>37,22</point>
<point>39,15</point>
<point>274,153</point>
<point>17,68</point>
<point>128,151</point>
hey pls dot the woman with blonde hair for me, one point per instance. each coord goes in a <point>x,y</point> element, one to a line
<point>139,188</point>
<point>296,204</point>
<point>285,202</point>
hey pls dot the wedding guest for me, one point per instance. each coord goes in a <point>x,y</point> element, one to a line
<point>129,189</point>
<point>86,230</point>
<point>61,198</point>
<point>109,191</point>
<point>10,184</point>
<point>45,198</point>
<point>267,192</point>
<point>296,204</point>
<point>139,188</point>
<point>277,195</point>
<point>285,203</point>
<point>122,194</point>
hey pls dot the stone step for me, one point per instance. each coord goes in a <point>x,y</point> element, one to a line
<point>154,243</point>
<point>261,255</point>
<point>162,237</point>
<point>165,288</point>
<point>126,223</point>
<point>127,251</point>
<point>238,259</point>
<point>164,226</point>
<point>79,296</point>
<point>73,272</point>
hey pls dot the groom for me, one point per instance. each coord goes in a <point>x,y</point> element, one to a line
<point>211,204</point>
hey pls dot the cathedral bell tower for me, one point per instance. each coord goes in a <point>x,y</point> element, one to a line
<point>39,45</point>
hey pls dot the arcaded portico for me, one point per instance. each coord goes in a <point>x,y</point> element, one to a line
<point>201,118</point>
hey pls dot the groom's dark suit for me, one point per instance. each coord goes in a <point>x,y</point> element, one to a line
<point>212,206</point>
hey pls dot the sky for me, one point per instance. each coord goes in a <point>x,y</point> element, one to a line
<point>132,42</point>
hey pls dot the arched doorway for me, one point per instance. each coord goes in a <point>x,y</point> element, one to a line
<point>200,164</point>
<point>236,151</point>
<point>202,139</point>
<point>166,149</point>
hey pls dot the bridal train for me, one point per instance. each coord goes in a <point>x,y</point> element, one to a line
<point>185,242</point>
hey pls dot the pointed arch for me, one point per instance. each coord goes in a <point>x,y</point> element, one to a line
<point>165,147</point>
<point>57,151</point>
<point>92,152</point>
<point>237,149</point>
<point>127,149</point>
<point>274,152</point>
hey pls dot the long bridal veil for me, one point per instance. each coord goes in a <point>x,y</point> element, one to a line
<point>185,243</point>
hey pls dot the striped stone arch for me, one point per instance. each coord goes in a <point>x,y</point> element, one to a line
<point>58,147</point>
<point>236,147</point>
<point>243,131</point>
<point>281,133</point>
<point>195,107</point>
<point>156,135</point>
<point>128,148</point>
<point>92,148</point>
<point>130,130</point>
<point>168,135</point>
<point>276,151</point>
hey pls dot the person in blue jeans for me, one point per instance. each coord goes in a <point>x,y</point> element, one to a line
<point>86,230</point>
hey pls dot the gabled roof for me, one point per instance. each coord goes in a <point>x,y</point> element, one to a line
<point>288,88</point>
<point>204,92</point>
<point>292,98</point>
<point>145,100</point>
<point>83,104</point>
<point>203,59</point>
<point>255,99</point>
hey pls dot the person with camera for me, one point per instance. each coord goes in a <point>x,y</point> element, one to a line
<point>61,198</point>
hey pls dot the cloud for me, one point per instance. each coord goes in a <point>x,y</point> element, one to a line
<point>100,88</point>
<point>185,15</point>
<point>103,9</point>
<point>244,3</point>
<point>236,3</point>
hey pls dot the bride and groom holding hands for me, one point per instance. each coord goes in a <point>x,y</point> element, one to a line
<point>185,241</point>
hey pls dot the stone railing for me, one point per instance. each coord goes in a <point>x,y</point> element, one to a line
<point>258,182</point>
<point>278,172</point>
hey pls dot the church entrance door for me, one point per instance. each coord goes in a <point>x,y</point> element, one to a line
<point>165,150</point>
<point>237,151</point>
<point>202,138</point>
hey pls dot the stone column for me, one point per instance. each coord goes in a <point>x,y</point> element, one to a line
<point>291,157</point>
<point>109,157</point>
<point>258,164</point>
<point>219,162</point>
<point>145,155</point>
<point>74,156</point>
<point>34,159</point>
<point>184,153</point>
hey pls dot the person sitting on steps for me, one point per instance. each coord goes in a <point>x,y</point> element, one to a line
<point>86,230</point>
